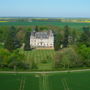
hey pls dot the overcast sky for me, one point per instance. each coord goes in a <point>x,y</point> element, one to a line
<point>45,8</point>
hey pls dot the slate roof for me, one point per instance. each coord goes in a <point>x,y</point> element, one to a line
<point>41,35</point>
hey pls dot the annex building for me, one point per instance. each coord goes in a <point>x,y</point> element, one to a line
<point>42,39</point>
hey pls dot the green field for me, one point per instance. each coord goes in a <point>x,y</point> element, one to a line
<point>18,82</point>
<point>61,24</point>
<point>56,81</point>
<point>43,58</point>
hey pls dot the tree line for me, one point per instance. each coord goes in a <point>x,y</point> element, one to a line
<point>72,47</point>
<point>75,51</point>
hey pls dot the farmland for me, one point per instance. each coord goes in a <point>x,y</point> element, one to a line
<point>43,58</point>
<point>33,23</point>
<point>49,81</point>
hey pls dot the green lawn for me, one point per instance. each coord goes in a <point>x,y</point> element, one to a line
<point>40,56</point>
<point>56,81</point>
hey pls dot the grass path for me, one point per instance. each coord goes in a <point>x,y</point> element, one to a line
<point>81,70</point>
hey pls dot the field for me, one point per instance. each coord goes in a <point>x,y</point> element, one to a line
<point>56,23</point>
<point>42,81</point>
<point>43,58</point>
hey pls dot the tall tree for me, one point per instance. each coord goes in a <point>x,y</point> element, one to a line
<point>36,28</point>
<point>57,41</point>
<point>27,41</point>
<point>85,36</point>
<point>11,42</point>
<point>73,37</point>
<point>66,36</point>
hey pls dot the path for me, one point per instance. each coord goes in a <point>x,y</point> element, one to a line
<point>46,71</point>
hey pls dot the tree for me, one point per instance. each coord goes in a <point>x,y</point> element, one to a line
<point>20,35</point>
<point>73,38</point>
<point>3,33</point>
<point>84,53</point>
<point>12,59</point>
<point>57,41</point>
<point>66,58</point>
<point>85,36</point>
<point>12,42</point>
<point>16,60</point>
<point>27,41</point>
<point>66,36</point>
<point>36,28</point>
<point>4,57</point>
<point>43,28</point>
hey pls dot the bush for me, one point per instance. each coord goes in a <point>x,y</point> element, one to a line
<point>84,53</point>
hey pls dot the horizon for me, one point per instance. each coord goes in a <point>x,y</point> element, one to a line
<point>44,17</point>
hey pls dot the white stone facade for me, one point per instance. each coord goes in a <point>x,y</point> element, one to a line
<point>42,39</point>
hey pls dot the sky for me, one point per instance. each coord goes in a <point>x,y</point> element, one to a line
<point>45,8</point>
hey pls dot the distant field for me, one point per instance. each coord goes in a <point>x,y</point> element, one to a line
<point>3,21</point>
<point>61,24</point>
<point>40,57</point>
<point>56,81</point>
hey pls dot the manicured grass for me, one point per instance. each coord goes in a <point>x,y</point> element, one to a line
<point>54,81</point>
<point>39,57</point>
